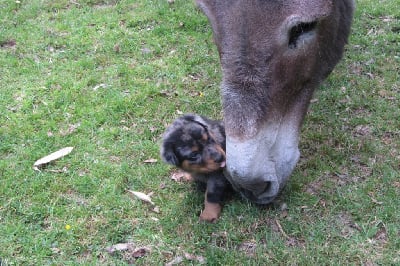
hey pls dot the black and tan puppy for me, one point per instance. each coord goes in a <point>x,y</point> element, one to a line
<point>196,144</point>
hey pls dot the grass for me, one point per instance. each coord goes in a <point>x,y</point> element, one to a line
<point>107,76</point>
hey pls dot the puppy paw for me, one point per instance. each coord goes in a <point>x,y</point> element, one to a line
<point>211,212</point>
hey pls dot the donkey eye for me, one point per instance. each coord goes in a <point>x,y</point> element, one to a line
<point>301,32</point>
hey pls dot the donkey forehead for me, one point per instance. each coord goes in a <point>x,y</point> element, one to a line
<point>260,16</point>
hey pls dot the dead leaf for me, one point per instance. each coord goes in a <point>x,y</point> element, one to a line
<point>356,68</point>
<point>383,93</point>
<point>8,43</point>
<point>156,209</point>
<point>120,247</point>
<point>189,256</point>
<point>346,224</point>
<point>248,247</point>
<point>362,130</point>
<point>151,160</point>
<point>146,50</point>
<point>63,170</point>
<point>55,250</point>
<point>295,242</point>
<point>181,176</point>
<point>152,129</point>
<point>175,261</point>
<point>371,196</point>
<point>381,235</point>
<point>177,176</point>
<point>284,214</point>
<point>71,129</point>
<point>140,252</point>
<point>101,85</point>
<point>167,254</point>
<point>142,196</point>
<point>370,75</point>
<point>52,157</point>
<point>117,49</point>
<point>199,259</point>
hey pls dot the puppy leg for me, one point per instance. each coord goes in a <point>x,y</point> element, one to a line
<point>214,197</point>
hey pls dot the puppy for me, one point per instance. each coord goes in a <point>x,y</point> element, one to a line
<point>196,144</point>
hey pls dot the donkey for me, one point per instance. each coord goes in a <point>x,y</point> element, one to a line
<point>273,54</point>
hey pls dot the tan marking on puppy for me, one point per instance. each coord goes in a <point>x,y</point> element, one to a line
<point>208,167</point>
<point>195,148</point>
<point>220,150</point>
<point>211,165</point>
<point>211,211</point>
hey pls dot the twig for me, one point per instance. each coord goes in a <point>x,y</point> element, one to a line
<point>75,3</point>
<point>281,229</point>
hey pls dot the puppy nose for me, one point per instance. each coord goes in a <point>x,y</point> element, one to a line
<point>220,158</point>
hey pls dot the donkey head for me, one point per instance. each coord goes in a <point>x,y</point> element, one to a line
<point>273,53</point>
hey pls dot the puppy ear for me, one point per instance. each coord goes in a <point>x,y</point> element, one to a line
<point>193,118</point>
<point>168,154</point>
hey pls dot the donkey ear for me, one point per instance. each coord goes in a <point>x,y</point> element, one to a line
<point>168,154</point>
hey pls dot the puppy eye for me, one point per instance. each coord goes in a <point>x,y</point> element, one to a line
<point>194,156</point>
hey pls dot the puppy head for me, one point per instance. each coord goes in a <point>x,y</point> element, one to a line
<point>189,145</point>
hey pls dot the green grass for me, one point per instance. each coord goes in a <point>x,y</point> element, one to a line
<point>107,76</point>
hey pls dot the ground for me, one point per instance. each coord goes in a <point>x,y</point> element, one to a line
<point>106,77</point>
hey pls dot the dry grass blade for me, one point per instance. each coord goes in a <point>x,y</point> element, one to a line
<point>281,229</point>
<point>120,247</point>
<point>52,157</point>
<point>151,160</point>
<point>142,196</point>
<point>175,261</point>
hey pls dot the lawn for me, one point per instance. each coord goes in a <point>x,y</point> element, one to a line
<point>106,77</point>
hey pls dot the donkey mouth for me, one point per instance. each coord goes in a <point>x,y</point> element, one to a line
<point>266,194</point>
<point>258,199</point>
<point>260,191</point>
